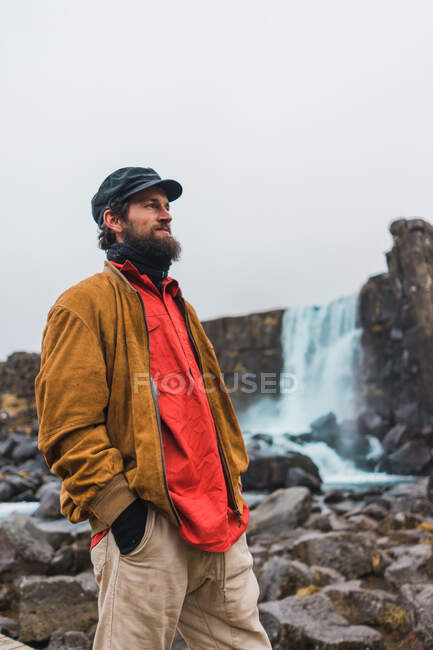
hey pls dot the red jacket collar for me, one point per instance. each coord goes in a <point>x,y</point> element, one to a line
<point>134,275</point>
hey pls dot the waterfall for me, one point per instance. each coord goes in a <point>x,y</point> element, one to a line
<point>320,347</point>
<point>320,350</point>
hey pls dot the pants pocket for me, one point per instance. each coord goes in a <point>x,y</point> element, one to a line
<point>98,556</point>
<point>150,522</point>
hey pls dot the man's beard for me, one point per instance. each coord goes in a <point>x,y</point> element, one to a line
<point>157,250</point>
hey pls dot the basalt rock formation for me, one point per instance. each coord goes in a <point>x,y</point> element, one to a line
<point>396,376</point>
<point>249,352</point>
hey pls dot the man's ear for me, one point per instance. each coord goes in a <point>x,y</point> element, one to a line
<point>112,221</point>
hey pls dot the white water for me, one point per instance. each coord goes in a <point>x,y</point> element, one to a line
<point>22,507</point>
<point>321,347</point>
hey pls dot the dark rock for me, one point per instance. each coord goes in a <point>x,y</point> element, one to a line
<point>25,449</point>
<point>72,640</point>
<point>319,521</point>
<point>297,476</point>
<point>266,473</point>
<point>6,490</point>
<point>7,446</point>
<point>380,560</point>
<point>414,457</point>
<point>18,373</point>
<point>399,521</point>
<point>373,424</point>
<point>323,576</point>
<point>361,522</point>
<point>265,437</point>
<point>312,622</point>
<point>346,552</point>
<point>20,483</point>
<point>396,437</point>
<point>396,315</point>
<point>51,483</point>
<point>418,599</point>
<point>369,607</point>
<point>7,596</point>
<point>39,611</point>
<point>283,510</point>
<point>334,496</point>
<point>9,626</point>
<point>49,507</point>
<point>35,467</point>
<point>274,472</point>
<point>249,344</point>
<point>25,495</point>
<point>22,551</point>
<point>9,470</point>
<point>71,559</point>
<point>280,577</point>
<point>410,498</point>
<point>414,565</point>
<point>326,429</point>
<point>61,532</point>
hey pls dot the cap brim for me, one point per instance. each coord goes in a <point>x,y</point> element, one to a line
<point>173,189</point>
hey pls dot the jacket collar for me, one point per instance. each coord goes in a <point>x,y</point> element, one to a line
<point>120,277</point>
<point>110,268</point>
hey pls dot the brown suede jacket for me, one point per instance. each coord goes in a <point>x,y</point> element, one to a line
<point>99,427</point>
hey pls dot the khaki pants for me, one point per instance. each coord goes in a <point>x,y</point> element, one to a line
<point>165,584</point>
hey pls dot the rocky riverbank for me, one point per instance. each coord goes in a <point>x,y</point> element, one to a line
<point>337,570</point>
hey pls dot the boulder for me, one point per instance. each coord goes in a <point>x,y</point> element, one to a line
<point>323,576</point>
<point>275,472</point>
<point>418,599</point>
<point>280,577</point>
<point>396,437</point>
<point>72,640</point>
<point>411,458</point>
<point>25,449</point>
<point>369,607</point>
<point>297,476</point>
<point>6,490</point>
<point>313,623</point>
<point>61,532</point>
<point>372,423</point>
<point>414,565</point>
<point>326,429</point>
<point>281,511</point>
<point>49,507</point>
<point>22,550</point>
<point>346,552</point>
<point>9,626</point>
<point>39,611</point>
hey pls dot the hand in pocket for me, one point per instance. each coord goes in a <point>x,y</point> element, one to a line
<point>128,529</point>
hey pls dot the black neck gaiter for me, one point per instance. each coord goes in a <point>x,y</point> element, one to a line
<point>121,251</point>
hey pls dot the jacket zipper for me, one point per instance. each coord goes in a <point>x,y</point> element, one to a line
<point>223,459</point>
<point>158,419</point>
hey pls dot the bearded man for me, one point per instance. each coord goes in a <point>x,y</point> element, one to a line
<point>137,422</point>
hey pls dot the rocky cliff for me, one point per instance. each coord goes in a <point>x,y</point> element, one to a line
<point>396,378</point>
<point>248,348</point>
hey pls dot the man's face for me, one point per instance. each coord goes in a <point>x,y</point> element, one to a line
<point>148,215</point>
<point>148,226</point>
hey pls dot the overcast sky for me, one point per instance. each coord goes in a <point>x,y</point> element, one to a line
<point>299,131</point>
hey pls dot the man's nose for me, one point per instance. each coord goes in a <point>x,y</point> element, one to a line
<point>164,215</point>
